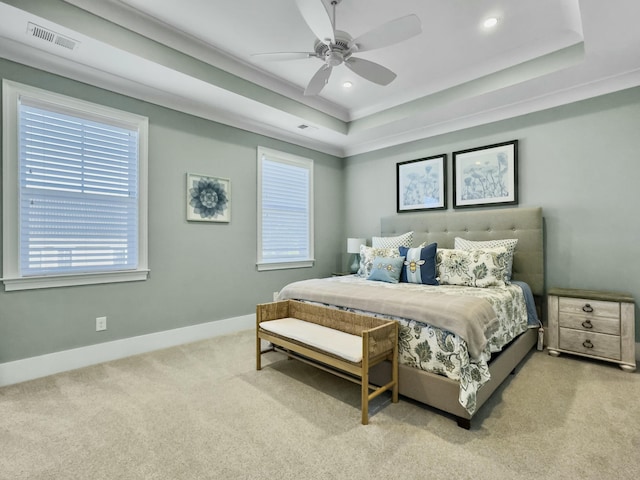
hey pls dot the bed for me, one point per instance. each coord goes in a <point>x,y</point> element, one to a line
<point>454,369</point>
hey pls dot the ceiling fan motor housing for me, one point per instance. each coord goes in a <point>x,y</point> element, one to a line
<point>334,53</point>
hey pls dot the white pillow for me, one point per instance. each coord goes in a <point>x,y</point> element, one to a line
<point>404,240</point>
<point>472,268</point>
<point>508,243</point>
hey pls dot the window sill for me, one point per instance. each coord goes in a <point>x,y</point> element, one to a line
<point>265,266</point>
<point>32,283</point>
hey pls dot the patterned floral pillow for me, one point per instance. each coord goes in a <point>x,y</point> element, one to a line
<point>404,240</point>
<point>508,243</point>
<point>472,268</point>
<point>368,254</point>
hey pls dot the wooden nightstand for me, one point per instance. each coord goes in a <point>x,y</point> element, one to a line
<point>593,324</point>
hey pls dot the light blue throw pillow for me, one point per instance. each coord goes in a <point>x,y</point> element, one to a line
<point>386,269</point>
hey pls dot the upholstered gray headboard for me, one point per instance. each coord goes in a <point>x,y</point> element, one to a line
<point>525,224</point>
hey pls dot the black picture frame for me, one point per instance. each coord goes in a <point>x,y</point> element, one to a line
<point>486,176</point>
<point>421,184</point>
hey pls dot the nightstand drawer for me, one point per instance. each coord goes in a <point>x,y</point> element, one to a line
<point>594,344</point>
<point>594,308</point>
<point>588,323</point>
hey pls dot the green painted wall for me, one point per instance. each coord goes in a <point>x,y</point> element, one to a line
<point>580,162</point>
<point>199,272</point>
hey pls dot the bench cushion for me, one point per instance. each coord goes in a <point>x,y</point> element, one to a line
<point>335,342</point>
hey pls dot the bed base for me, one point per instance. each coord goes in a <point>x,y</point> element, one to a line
<point>524,223</point>
<point>442,393</point>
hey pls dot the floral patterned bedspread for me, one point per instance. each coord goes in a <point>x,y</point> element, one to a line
<point>439,351</point>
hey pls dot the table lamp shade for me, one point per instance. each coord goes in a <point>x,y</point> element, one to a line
<point>353,244</point>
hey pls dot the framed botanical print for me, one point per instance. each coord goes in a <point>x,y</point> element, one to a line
<point>486,176</point>
<point>422,184</point>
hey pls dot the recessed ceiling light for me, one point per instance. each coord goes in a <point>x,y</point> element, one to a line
<point>490,22</point>
<point>347,84</point>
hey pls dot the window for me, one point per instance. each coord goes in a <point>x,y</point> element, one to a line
<point>285,210</point>
<point>74,191</point>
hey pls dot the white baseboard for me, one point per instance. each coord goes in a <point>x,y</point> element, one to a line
<point>44,365</point>
<point>49,364</point>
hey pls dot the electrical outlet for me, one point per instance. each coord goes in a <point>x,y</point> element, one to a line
<point>275,296</point>
<point>101,323</point>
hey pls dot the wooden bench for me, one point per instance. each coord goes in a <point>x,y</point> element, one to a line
<point>343,343</point>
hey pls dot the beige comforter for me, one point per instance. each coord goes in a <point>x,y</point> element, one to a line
<point>471,318</point>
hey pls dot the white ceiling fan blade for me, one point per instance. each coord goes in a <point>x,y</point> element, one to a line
<point>317,17</point>
<point>370,70</point>
<point>318,81</point>
<point>389,33</point>
<point>278,56</point>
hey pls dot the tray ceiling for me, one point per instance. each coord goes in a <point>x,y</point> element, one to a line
<point>196,56</point>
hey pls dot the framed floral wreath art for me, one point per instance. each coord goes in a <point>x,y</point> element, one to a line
<point>208,198</point>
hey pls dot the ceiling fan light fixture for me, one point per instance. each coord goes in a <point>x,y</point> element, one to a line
<point>334,58</point>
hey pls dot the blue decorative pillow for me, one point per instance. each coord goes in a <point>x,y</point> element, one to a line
<point>419,265</point>
<point>386,269</point>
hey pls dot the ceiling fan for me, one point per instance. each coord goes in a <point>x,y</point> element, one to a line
<point>335,47</point>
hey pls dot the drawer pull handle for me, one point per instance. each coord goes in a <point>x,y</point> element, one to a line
<point>587,344</point>
<point>587,324</point>
<point>587,308</point>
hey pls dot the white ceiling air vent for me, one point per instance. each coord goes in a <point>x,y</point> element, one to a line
<point>50,36</point>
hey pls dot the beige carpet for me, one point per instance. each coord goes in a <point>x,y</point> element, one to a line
<point>202,411</point>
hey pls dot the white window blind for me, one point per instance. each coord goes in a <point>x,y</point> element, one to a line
<point>78,193</point>
<point>285,210</point>
<point>74,190</point>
